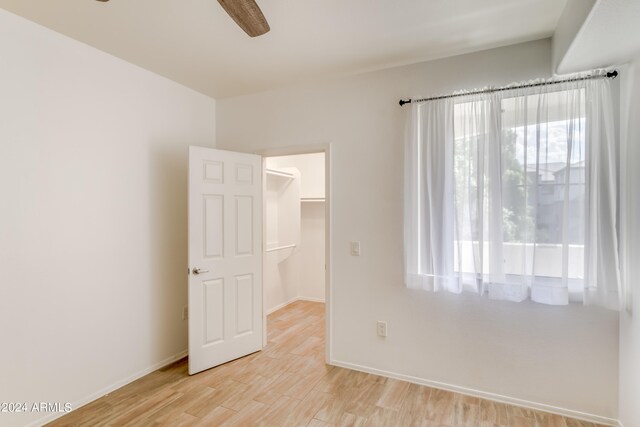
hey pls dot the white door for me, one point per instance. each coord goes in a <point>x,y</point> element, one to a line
<point>225,256</point>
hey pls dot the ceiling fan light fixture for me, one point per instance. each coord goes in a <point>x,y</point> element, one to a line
<point>247,15</point>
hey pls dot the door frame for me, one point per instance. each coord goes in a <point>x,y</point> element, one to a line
<point>290,151</point>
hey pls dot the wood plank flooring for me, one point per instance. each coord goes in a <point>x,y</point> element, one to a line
<point>289,384</point>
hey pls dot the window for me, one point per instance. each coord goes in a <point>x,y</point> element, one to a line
<point>544,194</point>
<point>498,197</point>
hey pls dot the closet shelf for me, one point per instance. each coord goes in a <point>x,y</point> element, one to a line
<point>280,248</point>
<point>312,199</point>
<point>280,174</point>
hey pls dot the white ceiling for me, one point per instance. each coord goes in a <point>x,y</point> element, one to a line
<point>195,43</point>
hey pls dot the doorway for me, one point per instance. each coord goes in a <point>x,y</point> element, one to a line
<point>296,233</point>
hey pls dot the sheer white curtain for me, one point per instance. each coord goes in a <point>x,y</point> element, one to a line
<point>513,194</point>
<point>602,270</point>
<point>429,207</point>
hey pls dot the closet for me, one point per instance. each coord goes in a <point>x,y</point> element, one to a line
<point>294,259</point>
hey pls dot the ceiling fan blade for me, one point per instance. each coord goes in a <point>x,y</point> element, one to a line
<point>247,15</point>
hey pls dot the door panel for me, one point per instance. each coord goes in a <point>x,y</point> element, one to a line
<point>244,225</point>
<point>213,226</point>
<point>213,299</point>
<point>225,238</point>
<point>244,304</point>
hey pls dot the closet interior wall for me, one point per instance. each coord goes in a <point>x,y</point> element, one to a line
<point>295,273</point>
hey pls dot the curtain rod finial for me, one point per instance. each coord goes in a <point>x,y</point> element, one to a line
<point>612,74</point>
<point>402,102</point>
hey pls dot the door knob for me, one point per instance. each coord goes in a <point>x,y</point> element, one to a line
<point>197,271</point>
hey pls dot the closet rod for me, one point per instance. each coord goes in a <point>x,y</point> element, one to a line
<point>610,75</point>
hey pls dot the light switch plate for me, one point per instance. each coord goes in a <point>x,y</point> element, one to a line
<point>355,248</point>
<point>381,328</point>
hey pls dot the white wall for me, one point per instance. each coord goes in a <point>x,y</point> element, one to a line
<point>93,224</point>
<point>630,321</point>
<point>561,356</point>
<point>311,167</point>
<point>573,16</point>
<point>280,283</point>
<point>282,231</point>
<point>311,255</point>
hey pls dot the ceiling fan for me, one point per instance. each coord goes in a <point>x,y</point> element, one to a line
<point>246,14</point>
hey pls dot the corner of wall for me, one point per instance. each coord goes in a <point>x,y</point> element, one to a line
<point>569,25</point>
<point>629,353</point>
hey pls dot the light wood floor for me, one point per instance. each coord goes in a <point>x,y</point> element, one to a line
<point>288,384</point>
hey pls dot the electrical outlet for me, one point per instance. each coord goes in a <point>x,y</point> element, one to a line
<point>382,328</point>
<point>185,312</point>
<point>355,248</point>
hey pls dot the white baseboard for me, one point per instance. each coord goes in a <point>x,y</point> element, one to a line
<point>291,301</point>
<point>112,387</point>
<point>283,305</point>
<point>311,299</point>
<point>483,394</point>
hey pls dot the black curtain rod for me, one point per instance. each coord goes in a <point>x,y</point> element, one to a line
<point>610,75</point>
